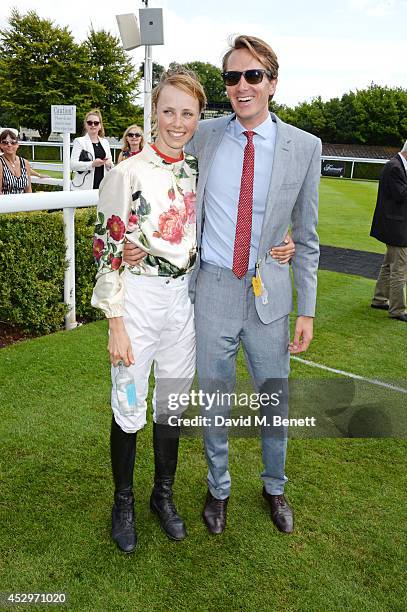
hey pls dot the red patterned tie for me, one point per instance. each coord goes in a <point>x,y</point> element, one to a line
<point>241,250</point>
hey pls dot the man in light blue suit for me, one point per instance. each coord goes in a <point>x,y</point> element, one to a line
<point>258,176</point>
<point>284,180</point>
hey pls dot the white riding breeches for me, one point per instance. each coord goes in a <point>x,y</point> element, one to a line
<point>159,319</point>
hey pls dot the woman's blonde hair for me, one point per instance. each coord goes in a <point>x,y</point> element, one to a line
<point>134,126</point>
<point>95,111</point>
<point>181,78</point>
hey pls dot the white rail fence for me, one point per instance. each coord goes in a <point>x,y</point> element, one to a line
<point>46,166</point>
<point>55,145</point>
<point>117,146</point>
<point>58,167</point>
<point>68,201</point>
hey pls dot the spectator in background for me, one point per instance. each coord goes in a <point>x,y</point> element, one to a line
<point>390,226</point>
<point>32,171</point>
<point>91,156</point>
<point>14,170</point>
<point>133,142</point>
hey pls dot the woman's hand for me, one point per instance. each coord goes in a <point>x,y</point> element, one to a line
<point>98,162</point>
<point>285,252</point>
<point>119,345</point>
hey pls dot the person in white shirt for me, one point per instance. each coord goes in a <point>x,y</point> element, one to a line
<point>91,157</point>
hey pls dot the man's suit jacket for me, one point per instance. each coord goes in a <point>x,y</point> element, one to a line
<point>292,200</point>
<point>390,216</point>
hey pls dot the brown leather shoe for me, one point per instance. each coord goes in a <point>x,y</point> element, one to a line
<point>214,513</point>
<point>402,317</point>
<point>281,512</point>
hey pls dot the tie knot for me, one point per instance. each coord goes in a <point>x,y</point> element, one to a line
<point>249,135</point>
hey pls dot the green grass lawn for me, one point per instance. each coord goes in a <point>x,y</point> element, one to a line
<point>346,553</point>
<point>345,214</point>
<point>51,173</point>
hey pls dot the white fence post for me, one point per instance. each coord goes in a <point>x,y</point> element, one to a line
<point>69,233</point>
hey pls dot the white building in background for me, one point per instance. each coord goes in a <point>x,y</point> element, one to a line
<point>29,134</point>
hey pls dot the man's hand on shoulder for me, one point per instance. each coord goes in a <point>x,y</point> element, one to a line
<point>303,335</point>
<point>132,254</point>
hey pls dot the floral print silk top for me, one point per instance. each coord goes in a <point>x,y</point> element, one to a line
<point>150,202</point>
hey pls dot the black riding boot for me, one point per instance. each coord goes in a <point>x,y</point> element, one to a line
<point>123,452</point>
<point>166,440</point>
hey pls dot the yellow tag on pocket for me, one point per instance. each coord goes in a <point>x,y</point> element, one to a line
<point>257,286</point>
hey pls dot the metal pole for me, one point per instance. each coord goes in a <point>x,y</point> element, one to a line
<point>69,233</point>
<point>351,172</point>
<point>148,84</point>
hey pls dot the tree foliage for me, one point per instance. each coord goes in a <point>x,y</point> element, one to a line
<point>373,116</point>
<point>211,79</point>
<point>41,64</point>
<point>113,80</point>
<point>157,72</point>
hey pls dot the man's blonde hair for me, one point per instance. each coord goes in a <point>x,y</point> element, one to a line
<point>256,47</point>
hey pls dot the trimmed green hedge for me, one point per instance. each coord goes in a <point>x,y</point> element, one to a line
<point>43,187</point>
<point>32,265</point>
<point>367,171</point>
<point>363,170</point>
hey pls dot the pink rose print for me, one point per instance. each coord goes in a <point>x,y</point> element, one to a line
<point>171,193</point>
<point>171,226</point>
<point>190,208</point>
<point>133,221</point>
<point>116,227</point>
<point>98,246</point>
<point>115,262</point>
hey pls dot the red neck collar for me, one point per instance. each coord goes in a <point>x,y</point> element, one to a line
<point>167,158</point>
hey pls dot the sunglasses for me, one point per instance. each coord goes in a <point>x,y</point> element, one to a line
<point>93,122</point>
<point>9,142</point>
<point>134,134</point>
<point>253,77</point>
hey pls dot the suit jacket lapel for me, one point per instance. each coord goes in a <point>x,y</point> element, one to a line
<point>280,165</point>
<point>402,165</point>
<point>205,161</point>
<point>207,156</point>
